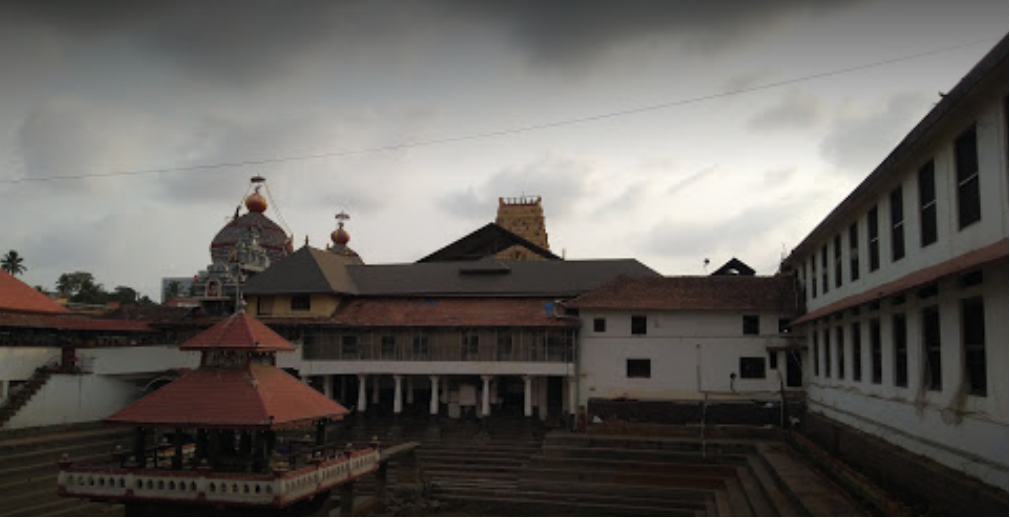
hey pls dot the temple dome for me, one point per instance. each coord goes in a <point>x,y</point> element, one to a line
<point>272,237</point>
<point>255,202</point>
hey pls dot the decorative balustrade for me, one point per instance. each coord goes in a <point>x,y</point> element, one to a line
<point>279,489</point>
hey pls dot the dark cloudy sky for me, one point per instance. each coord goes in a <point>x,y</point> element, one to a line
<point>106,86</point>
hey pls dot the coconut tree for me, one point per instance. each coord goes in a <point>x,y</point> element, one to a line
<point>13,263</point>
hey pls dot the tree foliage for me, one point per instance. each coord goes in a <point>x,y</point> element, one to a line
<point>13,263</point>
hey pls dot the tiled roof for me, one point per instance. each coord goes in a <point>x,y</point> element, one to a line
<point>309,270</point>
<point>982,256</point>
<point>447,312</point>
<point>239,331</point>
<point>67,322</point>
<point>18,296</point>
<point>725,293</point>
<point>259,397</point>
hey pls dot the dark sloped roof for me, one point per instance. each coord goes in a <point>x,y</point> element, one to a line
<point>309,270</point>
<point>70,322</point>
<point>485,242</point>
<point>735,267</point>
<point>493,278</point>
<point>726,293</point>
<point>450,312</point>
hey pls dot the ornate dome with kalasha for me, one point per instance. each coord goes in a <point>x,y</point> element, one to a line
<point>255,202</point>
<point>271,236</point>
<point>340,239</point>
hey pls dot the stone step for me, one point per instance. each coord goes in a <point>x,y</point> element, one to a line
<point>684,457</point>
<point>615,495</point>
<point>21,442</point>
<point>783,503</point>
<point>738,504</point>
<point>84,508</point>
<point>600,476</point>
<point>753,492</point>
<point>53,453</point>
<point>712,447</point>
<point>635,466</point>
<point>520,505</point>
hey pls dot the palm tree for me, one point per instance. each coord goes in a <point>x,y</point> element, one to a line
<point>13,263</point>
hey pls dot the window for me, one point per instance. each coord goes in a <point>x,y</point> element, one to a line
<point>840,338</point>
<point>784,327</point>
<point>873,238</point>
<point>752,368</point>
<point>931,349</point>
<point>469,345</point>
<point>897,224</point>
<point>388,345</point>
<point>751,325</point>
<point>854,252</point>
<point>900,338</point>
<point>641,369</point>
<point>349,346</point>
<point>824,269</point>
<point>773,360</point>
<point>876,353</point>
<point>857,352</point>
<point>817,353</point>
<point>838,261</point>
<point>504,345</point>
<point>927,205</point>
<point>420,346</point>
<point>265,306</point>
<point>599,325</point>
<point>301,303</point>
<point>638,325</point>
<point>973,344</point>
<point>813,276</point>
<point>969,201</point>
<point>827,353</point>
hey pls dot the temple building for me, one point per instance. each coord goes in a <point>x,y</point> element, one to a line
<point>454,334</point>
<point>523,217</point>
<point>235,436</point>
<point>246,246</point>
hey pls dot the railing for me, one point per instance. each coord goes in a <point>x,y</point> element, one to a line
<point>530,346</point>
<point>278,489</point>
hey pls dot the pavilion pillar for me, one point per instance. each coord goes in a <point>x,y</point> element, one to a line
<point>139,441</point>
<point>542,398</point>
<point>433,407</point>
<point>375,390</point>
<point>177,454</point>
<point>347,499</point>
<point>573,396</point>
<point>362,392</point>
<point>528,406</point>
<point>398,394</point>
<point>485,400</point>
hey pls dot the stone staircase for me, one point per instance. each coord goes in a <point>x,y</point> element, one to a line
<point>28,469</point>
<point>19,399</point>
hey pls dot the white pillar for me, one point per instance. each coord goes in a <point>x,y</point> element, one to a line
<point>485,404</point>
<point>375,390</point>
<point>362,392</point>
<point>433,407</point>
<point>528,396</point>
<point>410,390</point>
<point>573,395</point>
<point>328,386</point>
<point>542,398</point>
<point>398,395</point>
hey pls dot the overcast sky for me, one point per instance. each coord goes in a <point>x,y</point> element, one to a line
<point>107,86</point>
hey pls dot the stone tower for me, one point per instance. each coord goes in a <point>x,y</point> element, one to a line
<point>523,217</point>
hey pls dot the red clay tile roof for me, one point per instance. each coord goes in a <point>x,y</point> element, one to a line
<point>67,322</point>
<point>260,397</point>
<point>18,296</point>
<point>986,255</point>
<point>239,331</point>
<point>449,312</point>
<point>726,293</point>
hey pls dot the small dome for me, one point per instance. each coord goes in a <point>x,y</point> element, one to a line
<point>340,236</point>
<point>256,203</point>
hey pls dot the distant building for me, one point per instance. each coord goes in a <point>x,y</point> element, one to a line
<point>176,288</point>
<point>523,217</point>
<point>905,292</point>
<point>688,339</point>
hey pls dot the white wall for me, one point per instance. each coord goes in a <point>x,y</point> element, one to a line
<point>69,399</point>
<point>964,432</point>
<point>19,363</point>
<point>692,355</point>
<point>137,360</point>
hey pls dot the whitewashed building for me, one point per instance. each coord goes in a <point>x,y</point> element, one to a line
<point>905,291</point>
<point>688,339</point>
